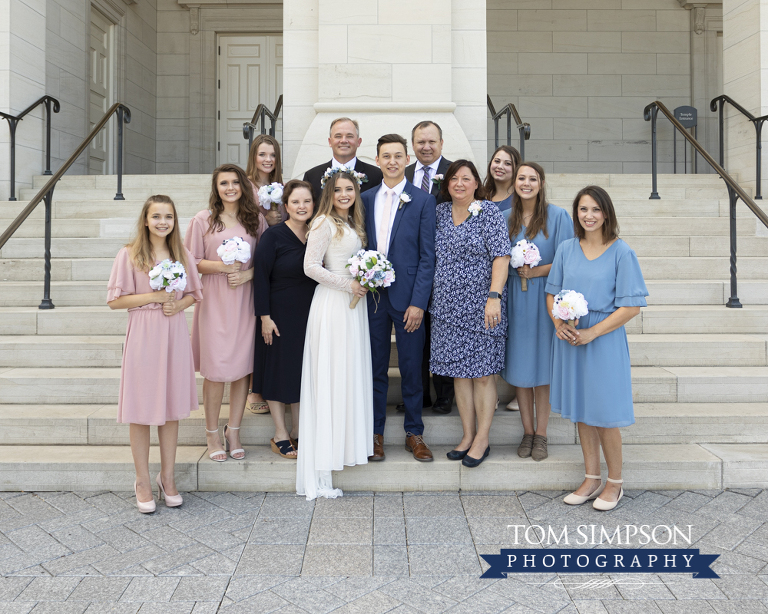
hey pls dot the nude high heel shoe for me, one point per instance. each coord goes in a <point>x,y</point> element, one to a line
<point>216,454</point>
<point>574,499</point>
<point>227,445</point>
<point>170,500</point>
<point>605,506</point>
<point>145,507</point>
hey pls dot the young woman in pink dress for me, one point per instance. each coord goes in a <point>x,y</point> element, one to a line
<point>223,328</point>
<point>264,167</point>
<point>157,379</point>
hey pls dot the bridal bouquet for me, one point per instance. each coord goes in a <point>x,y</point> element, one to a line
<point>234,250</point>
<point>569,306</point>
<point>525,252</point>
<point>168,275</point>
<point>271,196</point>
<point>372,270</point>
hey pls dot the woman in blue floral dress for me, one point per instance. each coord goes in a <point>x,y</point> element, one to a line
<point>469,316</point>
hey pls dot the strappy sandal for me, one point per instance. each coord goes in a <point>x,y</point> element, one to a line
<point>294,442</point>
<point>227,446</point>
<point>282,448</point>
<point>217,452</point>
<point>258,407</point>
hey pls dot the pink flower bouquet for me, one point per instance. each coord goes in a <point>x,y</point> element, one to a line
<point>169,276</point>
<point>524,252</point>
<point>234,250</point>
<point>372,270</point>
<point>569,306</point>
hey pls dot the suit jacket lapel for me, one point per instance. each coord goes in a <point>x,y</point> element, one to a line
<point>408,189</point>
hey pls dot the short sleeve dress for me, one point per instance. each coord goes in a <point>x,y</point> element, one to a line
<point>461,346</point>
<point>282,291</point>
<point>223,326</point>
<point>529,339</point>
<point>592,383</point>
<point>157,375</point>
<point>504,205</point>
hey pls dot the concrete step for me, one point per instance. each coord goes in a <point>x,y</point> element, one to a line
<point>74,193</point>
<point>109,182</point>
<point>705,292</point>
<point>673,466</point>
<point>656,423</point>
<point>684,246</point>
<point>27,385</point>
<point>61,351</point>
<point>63,293</point>
<point>62,269</point>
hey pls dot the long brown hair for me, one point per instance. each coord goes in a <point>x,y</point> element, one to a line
<point>140,249</point>
<point>452,170</point>
<point>356,216</point>
<point>611,223</point>
<point>538,221</point>
<point>490,183</point>
<point>253,174</point>
<point>248,211</point>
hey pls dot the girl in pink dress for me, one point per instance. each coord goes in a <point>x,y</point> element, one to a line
<point>264,167</point>
<point>223,329</point>
<point>157,379</point>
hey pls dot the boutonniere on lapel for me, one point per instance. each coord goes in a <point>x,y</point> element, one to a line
<point>475,208</point>
<point>405,198</point>
<point>438,180</point>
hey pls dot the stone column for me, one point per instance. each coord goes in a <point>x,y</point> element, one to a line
<point>22,81</point>
<point>387,64</point>
<point>745,79</point>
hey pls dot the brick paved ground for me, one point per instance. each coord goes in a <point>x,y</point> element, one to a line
<point>64,552</point>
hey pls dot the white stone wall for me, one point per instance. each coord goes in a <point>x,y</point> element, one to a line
<point>581,72</point>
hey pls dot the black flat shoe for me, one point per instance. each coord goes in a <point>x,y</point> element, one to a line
<point>468,461</point>
<point>400,407</point>
<point>456,454</point>
<point>443,406</point>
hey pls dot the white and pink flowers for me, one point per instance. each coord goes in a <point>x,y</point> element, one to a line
<point>234,250</point>
<point>372,270</point>
<point>271,196</point>
<point>569,306</point>
<point>169,276</point>
<point>524,252</point>
<point>475,207</point>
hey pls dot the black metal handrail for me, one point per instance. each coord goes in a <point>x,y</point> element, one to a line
<point>735,191</point>
<point>13,121</point>
<point>261,113</point>
<point>46,192</point>
<point>757,122</point>
<point>510,112</point>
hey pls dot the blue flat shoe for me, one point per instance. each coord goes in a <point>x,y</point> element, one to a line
<point>468,461</point>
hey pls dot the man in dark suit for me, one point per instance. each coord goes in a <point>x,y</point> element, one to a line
<point>400,223</point>
<point>427,139</point>
<point>344,139</point>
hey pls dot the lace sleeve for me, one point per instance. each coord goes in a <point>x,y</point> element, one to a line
<point>317,244</point>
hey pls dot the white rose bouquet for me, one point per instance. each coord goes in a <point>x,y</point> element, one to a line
<point>372,270</point>
<point>271,196</point>
<point>524,252</point>
<point>168,275</point>
<point>234,250</point>
<point>569,306</point>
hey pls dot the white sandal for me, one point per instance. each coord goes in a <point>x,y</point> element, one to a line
<point>574,499</point>
<point>603,505</point>
<point>226,443</point>
<point>217,452</point>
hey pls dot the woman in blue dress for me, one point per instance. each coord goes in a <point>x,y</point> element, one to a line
<point>499,180</point>
<point>591,376</point>
<point>469,319</point>
<point>529,341</point>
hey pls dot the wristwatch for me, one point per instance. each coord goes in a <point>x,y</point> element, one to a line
<point>494,295</point>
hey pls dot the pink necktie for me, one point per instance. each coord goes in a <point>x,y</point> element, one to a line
<point>381,240</point>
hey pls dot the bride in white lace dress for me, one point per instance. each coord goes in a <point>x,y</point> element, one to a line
<point>336,419</point>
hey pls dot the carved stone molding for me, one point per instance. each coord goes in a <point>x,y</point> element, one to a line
<point>686,4</point>
<point>700,15</point>
<point>211,10</point>
<point>194,18</point>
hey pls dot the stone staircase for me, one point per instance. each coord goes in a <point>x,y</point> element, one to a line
<point>700,370</point>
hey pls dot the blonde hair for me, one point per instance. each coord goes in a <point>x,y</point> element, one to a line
<point>248,211</point>
<point>356,217</point>
<point>140,249</point>
<point>253,174</point>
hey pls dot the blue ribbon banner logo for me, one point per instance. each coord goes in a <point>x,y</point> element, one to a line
<point>612,561</point>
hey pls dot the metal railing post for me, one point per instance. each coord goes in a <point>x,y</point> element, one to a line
<point>12,123</point>
<point>733,302</point>
<point>509,127</point>
<point>759,154</point>
<point>119,194</point>
<point>47,303</point>
<point>521,130</point>
<point>47,170</point>
<point>721,119</point>
<point>654,159</point>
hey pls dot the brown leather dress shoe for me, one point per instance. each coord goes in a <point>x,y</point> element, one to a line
<point>378,448</point>
<point>420,450</point>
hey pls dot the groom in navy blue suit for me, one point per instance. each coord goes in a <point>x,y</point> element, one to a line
<point>400,223</point>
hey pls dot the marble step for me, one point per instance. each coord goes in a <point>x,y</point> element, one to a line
<point>71,385</point>
<point>654,319</point>
<point>671,466</point>
<point>656,423</point>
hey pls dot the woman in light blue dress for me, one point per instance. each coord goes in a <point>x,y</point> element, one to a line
<point>529,340</point>
<point>499,181</point>
<point>591,378</point>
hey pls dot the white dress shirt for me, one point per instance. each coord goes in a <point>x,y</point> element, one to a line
<point>351,164</point>
<point>418,175</point>
<point>380,203</point>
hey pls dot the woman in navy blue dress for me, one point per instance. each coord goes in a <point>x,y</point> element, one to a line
<point>469,320</point>
<point>500,179</point>
<point>529,342</point>
<point>591,376</point>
